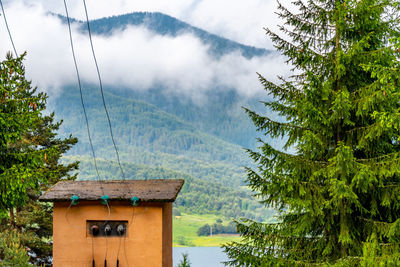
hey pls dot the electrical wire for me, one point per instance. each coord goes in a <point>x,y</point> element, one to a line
<point>119,247</point>
<point>105,258</point>
<point>101,90</point>
<point>8,28</point>
<point>105,223</point>
<point>86,120</point>
<point>126,231</point>
<point>75,227</point>
<point>81,95</point>
<point>109,211</point>
<point>133,217</point>
<point>66,217</point>
<point>126,256</point>
<point>93,263</point>
<point>109,124</point>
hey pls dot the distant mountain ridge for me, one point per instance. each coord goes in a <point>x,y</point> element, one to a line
<point>163,24</point>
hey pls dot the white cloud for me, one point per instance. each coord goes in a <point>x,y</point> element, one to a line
<point>239,20</point>
<point>133,58</point>
<point>242,21</point>
<point>46,41</point>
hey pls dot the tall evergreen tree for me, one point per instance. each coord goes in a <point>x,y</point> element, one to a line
<point>29,158</point>
<point>337,195</point>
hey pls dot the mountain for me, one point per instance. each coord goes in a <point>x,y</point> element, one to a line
<point>166,25</point>
<point>148,135</point>
<point>166,135</point>
<point>163,24</point>
<point>154,144</point>
<point>221,113</point>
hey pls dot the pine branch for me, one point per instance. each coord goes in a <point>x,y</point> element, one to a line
<point>312,10</point>
<point>268,150</point>
<point>305,39</point>
<point>375,222</point>
<point>292,51</point>
<point>281,110</point>
<point>274,128</point>
<point>305,25</point>
<point>286,91</point>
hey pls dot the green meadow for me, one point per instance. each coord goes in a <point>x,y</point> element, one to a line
<point>185,231</point>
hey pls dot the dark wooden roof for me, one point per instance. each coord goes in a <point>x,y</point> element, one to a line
<point>145,190</point>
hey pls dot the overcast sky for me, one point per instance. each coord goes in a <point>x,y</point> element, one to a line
<point>239,20</point>
<point>181,63</point>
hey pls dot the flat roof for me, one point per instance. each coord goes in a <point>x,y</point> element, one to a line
<point>145,190</point>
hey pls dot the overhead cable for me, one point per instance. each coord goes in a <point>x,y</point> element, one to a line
<point>8,28</point>
<point>101,89</point>
<point>81,95</point>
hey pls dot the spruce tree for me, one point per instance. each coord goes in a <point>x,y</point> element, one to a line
<point>337,195</point>
<point>30,153</point>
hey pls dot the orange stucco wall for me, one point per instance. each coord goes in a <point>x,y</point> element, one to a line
<point>148,242</point>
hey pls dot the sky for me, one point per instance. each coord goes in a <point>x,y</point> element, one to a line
<point>138,58</point>
<point>239,20</point>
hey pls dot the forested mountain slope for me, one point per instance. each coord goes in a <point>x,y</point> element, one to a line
<point>168,134</point>
<point>221,114</point>
<point>148,135</point>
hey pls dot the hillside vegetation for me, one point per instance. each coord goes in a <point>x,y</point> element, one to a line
<point>150,136</point>
<point>165,135</point>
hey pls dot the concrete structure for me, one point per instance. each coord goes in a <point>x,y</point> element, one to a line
<point>147,241</point>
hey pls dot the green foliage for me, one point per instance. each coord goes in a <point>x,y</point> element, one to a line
<point>19,111</point>
<point>204,230</point>
<point>217,228</point>
<point>12,253</point>
<point>182,241</point>
<point>337,195</point>
<point>185,261</point>
<point>29,156</point>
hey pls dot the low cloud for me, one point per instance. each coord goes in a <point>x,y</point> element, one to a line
<point>132,58</point>
<point>242,21</point>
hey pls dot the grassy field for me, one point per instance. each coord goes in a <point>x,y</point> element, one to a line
<point>185,231</point>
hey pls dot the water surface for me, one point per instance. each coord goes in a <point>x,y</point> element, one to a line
<point>200,256</point>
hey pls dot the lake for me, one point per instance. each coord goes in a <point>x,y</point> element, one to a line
<point>200,256</point>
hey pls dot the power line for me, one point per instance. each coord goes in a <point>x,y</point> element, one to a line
<point>8,29</point>
<point>101,89</point>
<point>80,91</point>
